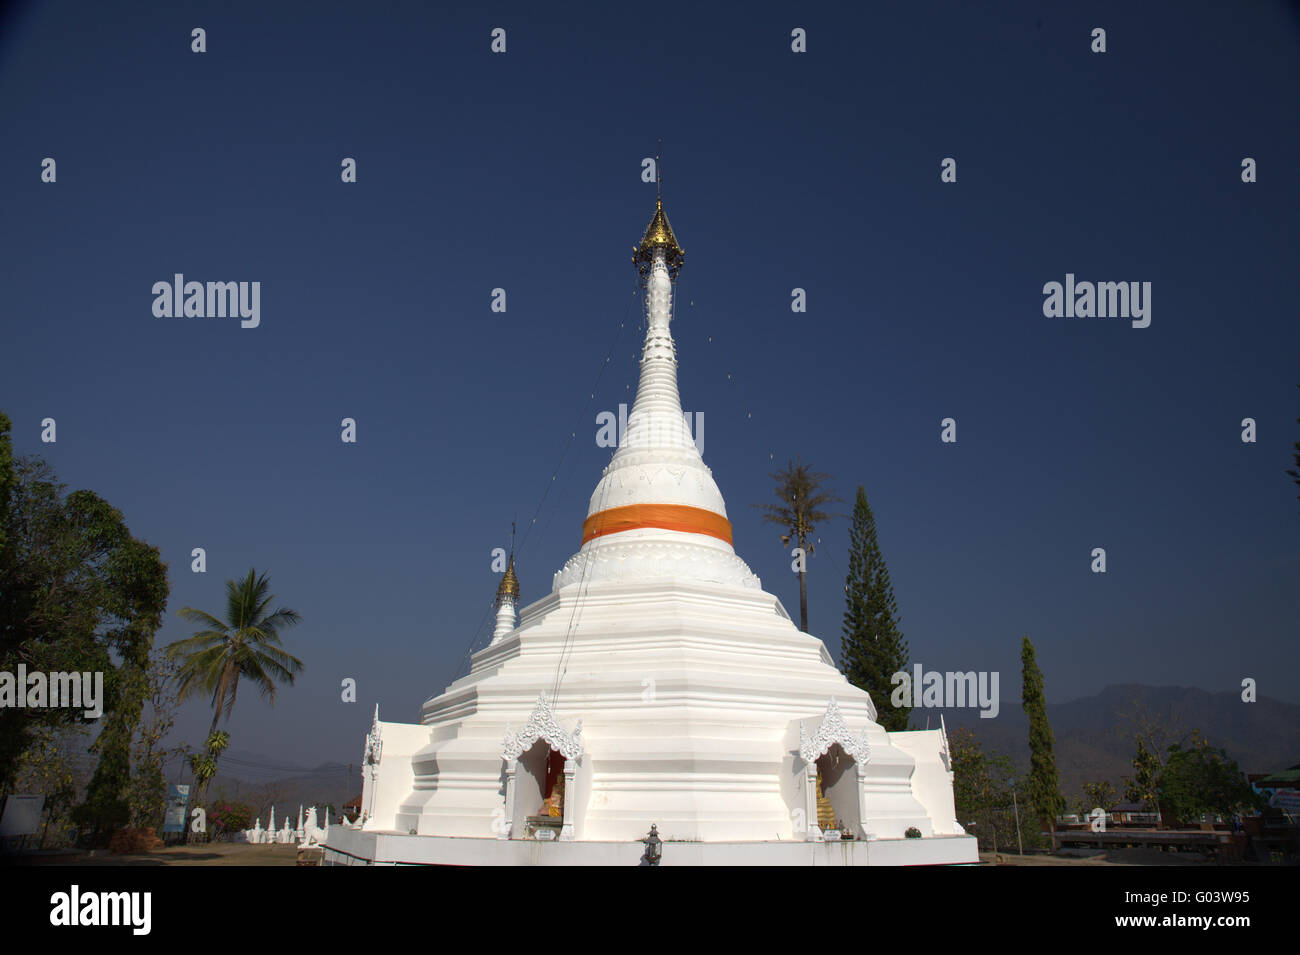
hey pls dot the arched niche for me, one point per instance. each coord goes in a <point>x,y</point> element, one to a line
<point>541,781</point>
<point>840,758</point>
<point>539,758</point>
<point>838,773</point>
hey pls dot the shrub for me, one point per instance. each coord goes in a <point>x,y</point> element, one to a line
<point>229,817</point>
<point>132,841</point>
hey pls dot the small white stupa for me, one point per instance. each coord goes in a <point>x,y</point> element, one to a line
<point>657,683</point>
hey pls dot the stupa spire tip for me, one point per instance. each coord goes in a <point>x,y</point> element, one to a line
<point>659,234</point>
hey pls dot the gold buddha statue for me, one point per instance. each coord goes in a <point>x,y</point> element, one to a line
<point>825,814</point>
<point>554,804</point>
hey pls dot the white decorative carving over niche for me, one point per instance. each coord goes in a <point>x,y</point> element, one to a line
<point>833,729</point>
<point>542,725</point>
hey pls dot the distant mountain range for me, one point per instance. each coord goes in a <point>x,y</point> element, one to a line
<point>326,784</point>
<point>1094,735</point>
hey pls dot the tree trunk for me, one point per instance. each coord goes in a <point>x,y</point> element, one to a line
<point>803,601</point>
<point>197,788</point>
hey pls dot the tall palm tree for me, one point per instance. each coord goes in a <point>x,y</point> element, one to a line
<point>799,490</point>
<point>246,644</point>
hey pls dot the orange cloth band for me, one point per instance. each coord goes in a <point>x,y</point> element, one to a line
<point>670,517</point>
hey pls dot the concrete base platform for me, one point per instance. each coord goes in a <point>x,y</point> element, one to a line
<point>361,847</point>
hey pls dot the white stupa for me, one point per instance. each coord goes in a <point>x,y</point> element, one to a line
<point>657,683</point>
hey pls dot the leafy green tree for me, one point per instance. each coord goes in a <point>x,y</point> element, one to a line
<point>872,648</point>
<point>982,788</point>
<point>79,594</point>
<point>147,794</point>
<point>1202,780</point>
<point>1100,794</point>
<point>141,579</point>
<point>58,765</point>
<point>1144,785</point>
<point>1153,735</point>
<point>1042,787</point>
<point>245,645</point>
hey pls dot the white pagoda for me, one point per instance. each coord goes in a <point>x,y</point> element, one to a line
<point>657,683</point>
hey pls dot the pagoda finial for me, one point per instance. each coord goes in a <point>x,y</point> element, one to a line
<point>509,586</point>
<point>659,173</point>
<point>659,234</point>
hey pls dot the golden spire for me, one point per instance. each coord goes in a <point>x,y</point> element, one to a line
<point>509,586</point>
<point>659,234</point>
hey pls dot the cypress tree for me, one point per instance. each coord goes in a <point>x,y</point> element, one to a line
<point>1043,789</point>
<point>872,648</point>
<point>1295,472</point>
<point>8,481</point>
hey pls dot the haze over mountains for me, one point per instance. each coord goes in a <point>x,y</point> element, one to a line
<point>1094,735</point>
<point>252,778</point>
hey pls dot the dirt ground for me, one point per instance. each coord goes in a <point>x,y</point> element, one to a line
<point>240,854</point>
<point>1106,857</point>
<point>217,853</point>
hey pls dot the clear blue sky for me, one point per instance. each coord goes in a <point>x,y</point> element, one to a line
<point>819,171</point>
